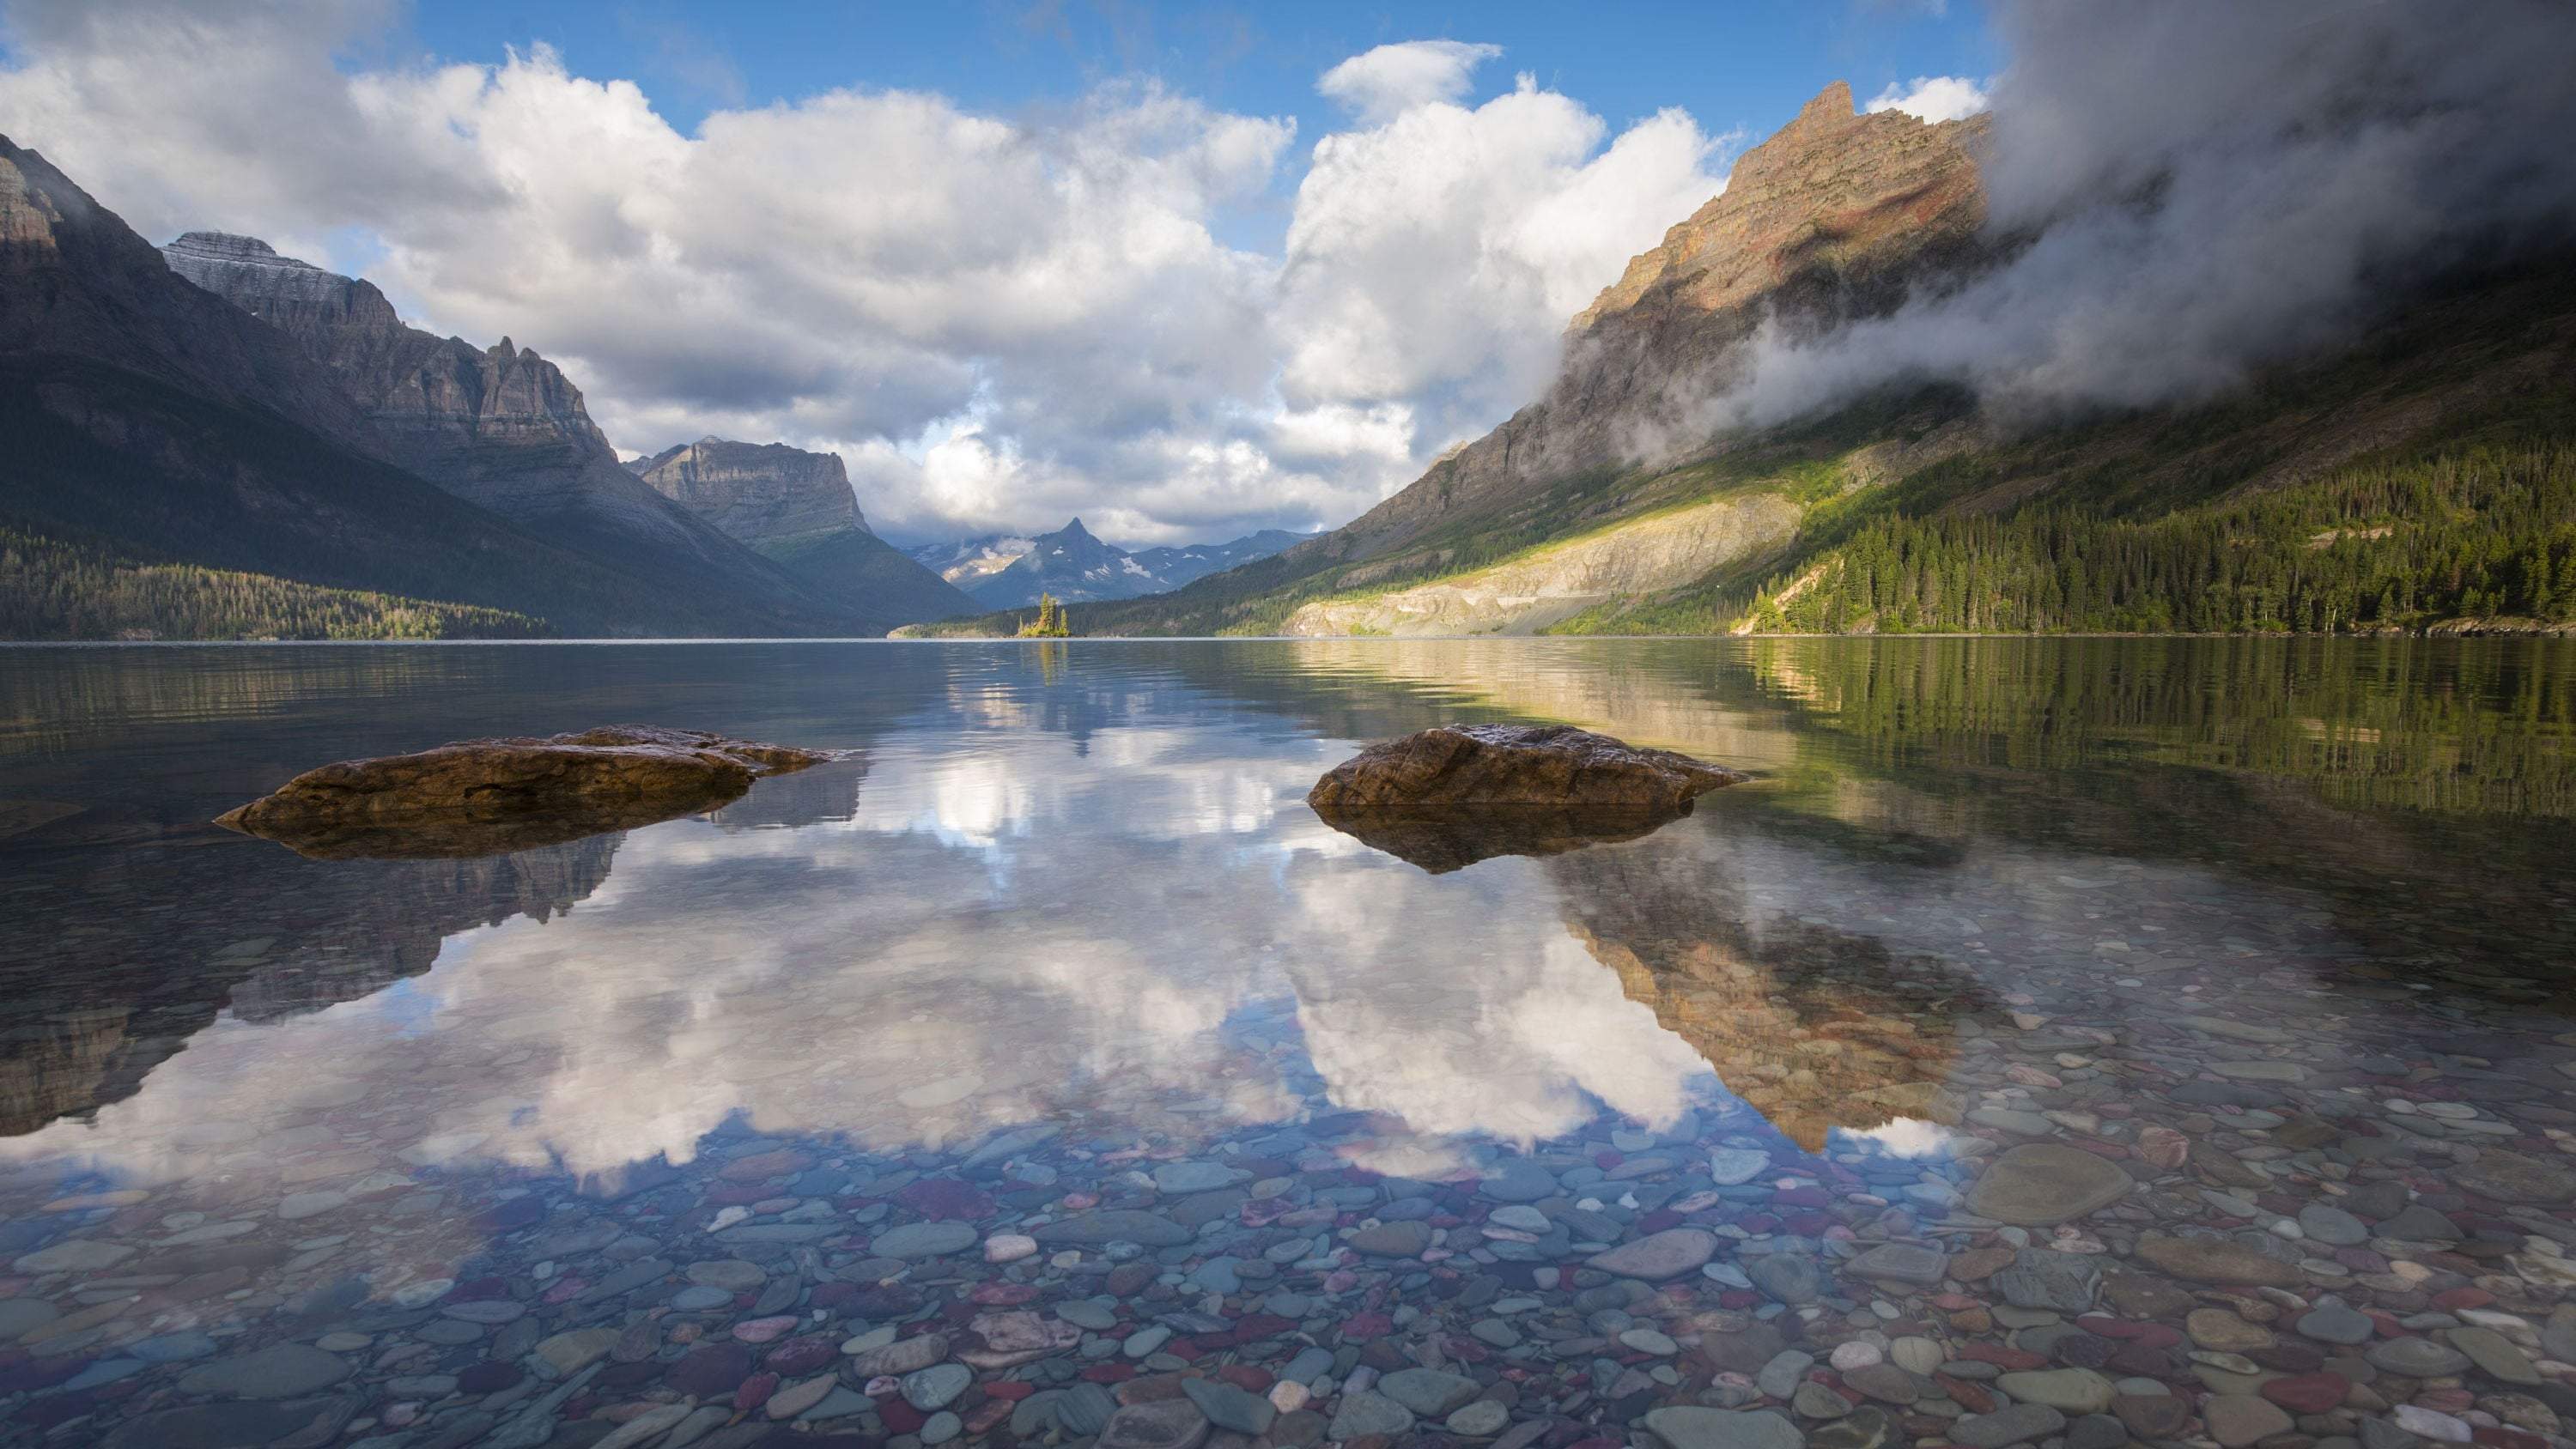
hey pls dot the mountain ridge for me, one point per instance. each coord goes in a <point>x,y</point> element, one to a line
<point>1001,571</point>
<point>499,426</point>
<point>152,422</point>
<point>1613,503</point>
<point>796,508</point>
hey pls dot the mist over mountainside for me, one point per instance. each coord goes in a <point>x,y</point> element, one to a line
<point>2220,317</point>
<point>2195,258</point>
<point>2183,195</point>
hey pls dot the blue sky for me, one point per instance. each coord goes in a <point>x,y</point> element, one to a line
<point>1011,262</point>
<point>1741,68</point>
<point>1746,65</point>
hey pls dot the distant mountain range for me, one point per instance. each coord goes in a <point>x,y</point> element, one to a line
<point>219,441</point>
<point>1005,572</point>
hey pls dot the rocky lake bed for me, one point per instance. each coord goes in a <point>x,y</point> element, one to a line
<point>2193,1229</point>
<point>967,1090</point>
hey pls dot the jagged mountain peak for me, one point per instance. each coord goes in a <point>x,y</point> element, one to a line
<point>1074,564</point>
<point>1837,215</point>
<point>1833,187</point>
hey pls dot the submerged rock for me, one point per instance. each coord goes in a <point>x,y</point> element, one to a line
<point>1543,765</point>
<point>1443,838</point>
<point>484,797</point>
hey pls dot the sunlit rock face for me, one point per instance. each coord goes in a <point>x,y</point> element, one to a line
<point>1836,215</point>
<point>1815,1027</point>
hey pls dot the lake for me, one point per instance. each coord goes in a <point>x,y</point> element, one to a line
<point>2098,1039</point>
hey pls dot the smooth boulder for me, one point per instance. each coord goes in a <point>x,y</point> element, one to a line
<point>484,797</point>
<point>1447,798</point>
<point>1521,765</point>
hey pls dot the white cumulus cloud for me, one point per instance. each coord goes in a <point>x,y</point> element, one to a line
<point>1384,83</point>
<point>1434,259</point>
<point>998,321</point>
<point>1932,98</point>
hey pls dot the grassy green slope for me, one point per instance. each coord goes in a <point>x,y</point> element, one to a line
<point>2422,480</point>
<point>2446,416</point>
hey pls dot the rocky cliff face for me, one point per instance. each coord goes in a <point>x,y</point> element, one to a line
<point>295,297</point>
<point>760,493</point>
<point>76,282</point>
<point>500,426</point>
<point>1836,216</point>
<point>796,508</point>
<point>156,418</point>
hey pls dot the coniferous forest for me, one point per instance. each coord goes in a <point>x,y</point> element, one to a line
<point>2461,538</point>
<point>54,590</point>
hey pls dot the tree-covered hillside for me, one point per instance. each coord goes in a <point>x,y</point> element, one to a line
<point>2417,478</point>
<point>2484,538</point>
<point>53,590</point>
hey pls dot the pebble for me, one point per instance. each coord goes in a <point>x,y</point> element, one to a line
<point>2130,1211</point>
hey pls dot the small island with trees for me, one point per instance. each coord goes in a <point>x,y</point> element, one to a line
<point>1052,621</point>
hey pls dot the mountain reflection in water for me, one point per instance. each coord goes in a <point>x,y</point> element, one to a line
<point>1062,930</point>
<point>1092,893</point>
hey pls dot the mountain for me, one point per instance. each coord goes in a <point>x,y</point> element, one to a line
<point>1173,567</point>
<point>2416,478</point>
<point>499,427</point>
<point>796,508</point>
<point>968,562</point>
<point>1068,563</point>
<point>152,425</point>
<point>1003,572</point>
<point>759,493</point>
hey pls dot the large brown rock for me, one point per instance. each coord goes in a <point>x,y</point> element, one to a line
<point>1547,767</point>
<point>481,797</point>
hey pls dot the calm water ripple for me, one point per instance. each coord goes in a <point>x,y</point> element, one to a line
<point>2084,1040</point>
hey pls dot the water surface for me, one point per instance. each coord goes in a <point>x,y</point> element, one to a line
<point>2256,948</point>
